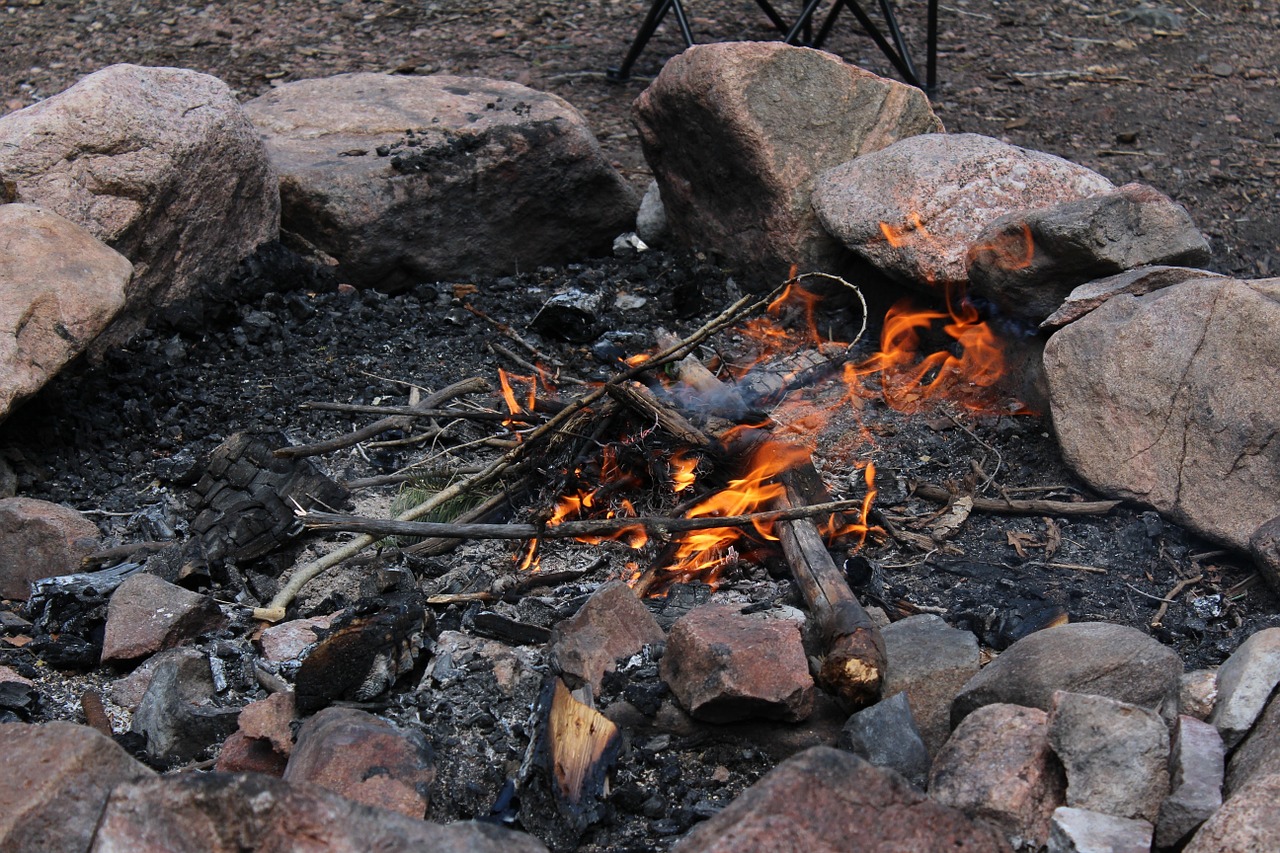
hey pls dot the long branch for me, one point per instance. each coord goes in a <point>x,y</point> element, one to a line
<point>938,494</point>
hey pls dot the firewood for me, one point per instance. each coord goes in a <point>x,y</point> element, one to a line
<point>938,494</point>
<point>853,665</point>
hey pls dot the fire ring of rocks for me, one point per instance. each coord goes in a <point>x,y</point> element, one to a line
<point>649,552</point>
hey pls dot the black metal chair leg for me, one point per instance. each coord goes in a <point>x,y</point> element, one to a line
<point>652,19</point>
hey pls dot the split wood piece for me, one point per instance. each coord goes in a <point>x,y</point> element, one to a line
<point>276,608</point>
<point>853,666</point>
<point>938,494</point>
<point>438,545</point>
<point>640,399</point>
<point>401,422</point>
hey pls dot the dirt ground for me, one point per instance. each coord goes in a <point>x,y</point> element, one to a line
<point>1184,98</point>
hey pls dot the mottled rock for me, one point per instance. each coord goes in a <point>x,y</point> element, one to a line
<point>1096,657</point>
<point>886,735</point>
<point>1245,683</point>
<point>1028,261</point>
<point>651,219</point>
<point>930,661</point>
<point>1168,399</point>
<point>407,179</point>
<point>914,207</point>
<point>612,624</point>
<point>243,754</point>
<point>160,164</point>
<point>1084,831</point>
<point>264,739</point>
<point>177,714</point>
<point>1196,781</point>
<point>1264,546</point>
<point>1259,753</point>
<point>231,813</point>
<point>1135,282</point>
<point>1198,693</point>
<point>39,539</point>
<point>127,692</point>
<point>724,666</point>
<point>822,799</point>
<point>288,640</point>
<point>366,759</point>
<point>736,134</point>
<point>147,615</point>
<point>998,766</point>
<point>1116,755</point>
<point>57,777</point>
<point>1249,820</point>
<point>61,287</point>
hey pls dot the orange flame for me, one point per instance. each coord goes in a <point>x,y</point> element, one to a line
<point>1009,250</point>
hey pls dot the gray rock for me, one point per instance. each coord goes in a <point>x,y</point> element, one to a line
<point>1248,821</point>
<point>57,777</point>
<point>39,539</point>
<point>1259,753</point>
<point>160,164</point>
<point>1084,831</point>
<point>1195,792</point>
<point>724,666</point>
<point>886,735</point>
<point>1134,282</point>
<point>1168,399</point>
<point>612,624</point>
<point>998,767</point>
<point>147,615</point>
<point>61,288</point>
<point>651,219</point>
<point>913,208</point>
<point>1027,262</point>
<point>930,661</point>
<point>177,715</point>
<point>1104,659</point>
<point>1198,693</point>
<point>736,133</point>
<point>1264,547</point>
<point>822,799</point>
<point>491,177</point>
<point>230,813</point>
<point>1245,682</point>
<point>1116,755</point>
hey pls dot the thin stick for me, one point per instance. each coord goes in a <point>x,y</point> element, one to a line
<point>275,610</point>
<point>413,412</point>
<point>938,494</point>
<point>1172,596</point>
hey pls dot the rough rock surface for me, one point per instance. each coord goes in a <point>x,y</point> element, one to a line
<point>1245,682</point>
<point>998,766</point>
<point>1097,657</point>
<point>419,179</point>
<point>1249,820</point>
<point>60,287</point>
<point>160,164</point>
<point>57,777</point>
<point>1136,282</point>
<point>1116,755</point>
<point>1027,262</point>
<point>1264,546</point>
<point>177,715</point>
<point>1168,399</point>
<point>930,661</point>
<point>366,759</point>
<point>147,615</point>
<point>724,666</point>
<point>821,799</point>
<point>1196,775</point>
<point>39,539</point>
<point>613,623</point>
<point>229,813</point>
<point>1084,831</point>
<point>737,132</point>
<point>913,208</point>
<point>886,735</point>
<point>1259,753</point>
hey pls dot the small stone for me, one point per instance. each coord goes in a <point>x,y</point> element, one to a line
<point>886,735</point>
<point>1248,821</point>
<point>1197,693</point>
<point>366,759</point>
<point>724,666</point>
<point>931,662</point>
<point>1116,755</point>
<point>1245,682</point>
<point>176,714</point>
<point>1082,831</point>
<point>287,641</point>
<point>146,615</point>
<point>39,539</point>
<point>612,624</point>
<point>998,767</point>
<point>243,754</point>
<point>1196,788</point>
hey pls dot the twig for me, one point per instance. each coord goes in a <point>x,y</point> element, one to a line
<point>1171,596</point>
<point>275,610</point>
<point>414,412</point>
<point>938,494</point>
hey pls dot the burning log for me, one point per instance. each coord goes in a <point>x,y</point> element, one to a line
<point>854,664</point>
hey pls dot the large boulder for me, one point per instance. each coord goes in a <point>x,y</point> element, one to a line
<point>914,208</point>
<point>162,165</point>
<point>39,539</point>
<point>1028,262</point>
<point>736,134</point>
<point>1168,399</point>
<point>410,179</point>
<point>59,288</point>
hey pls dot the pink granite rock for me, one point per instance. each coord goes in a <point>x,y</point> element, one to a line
<point>39,539</point>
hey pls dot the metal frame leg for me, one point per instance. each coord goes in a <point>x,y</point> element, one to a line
<point>657,12</point>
